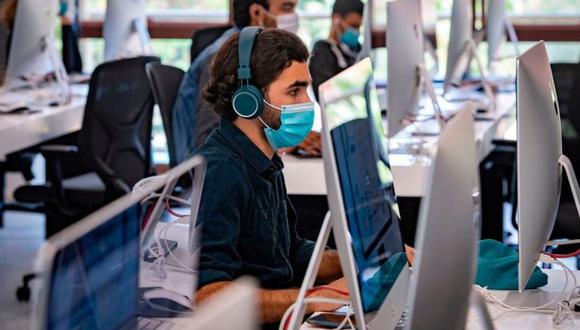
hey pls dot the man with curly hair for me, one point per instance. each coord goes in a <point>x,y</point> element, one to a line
<point>248,222</point>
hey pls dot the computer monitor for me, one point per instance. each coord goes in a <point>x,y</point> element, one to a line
<point>405,57</point>
<point>33,52</point>
<point>496,18</point>
<point>447,232</point>
<point>195,167</point>
<point>460,35</point>
<point>90,271</point>
<point>361,196</point>
<point>125,29</point>
<point>539,148</point>
<point>496,26</point>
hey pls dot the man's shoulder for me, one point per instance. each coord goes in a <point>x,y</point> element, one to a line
<point>208,53</point>
<point>321,45</point>
<point>219,157</point>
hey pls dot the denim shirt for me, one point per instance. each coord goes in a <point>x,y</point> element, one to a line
<point>184,109</point>
<point>248,223</point>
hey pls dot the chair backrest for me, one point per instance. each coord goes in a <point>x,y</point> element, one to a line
<point>205,37</point>
<point>567,80</point>
<point>165,81</point>
<point>115,139</point>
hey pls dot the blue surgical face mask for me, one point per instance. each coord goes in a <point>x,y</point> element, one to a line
<point>350,38</point>
<point>297,121</point>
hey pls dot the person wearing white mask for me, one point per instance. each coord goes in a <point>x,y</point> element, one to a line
<point>340,50</point>
<point>193,120</point>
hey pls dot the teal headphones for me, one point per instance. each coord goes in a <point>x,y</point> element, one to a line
<point>247,100</point>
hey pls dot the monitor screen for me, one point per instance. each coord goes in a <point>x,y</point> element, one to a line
<point>99,276</point>
<point>356,130</point>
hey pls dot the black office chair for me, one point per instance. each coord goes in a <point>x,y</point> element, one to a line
<point>567,81</point>
<point>203,38</point>
<point>114,145</point>
<point>165,81</point>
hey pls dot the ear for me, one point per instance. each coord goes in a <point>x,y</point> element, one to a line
<point>336,18</point>
<point>256,14</point>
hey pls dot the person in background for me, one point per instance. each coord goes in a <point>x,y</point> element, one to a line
<point>340,50</point>
<point>190,123</point>
<point>71,33</point>
<point>248,221</point>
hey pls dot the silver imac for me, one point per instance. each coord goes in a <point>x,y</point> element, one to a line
<point>89,272</point>
<point>125,29</point>
<point>33,53</point>
<point>404,62</point>
<point>539,157</point>
<point>496,18</point>
<point>363,212</point>
<point>460,36</point>
<point>496,26</point>
<point>448,232</point>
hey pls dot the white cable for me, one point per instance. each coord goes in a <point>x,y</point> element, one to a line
<point>307,301</point>
<point>165,229</point>
<point>565,296</point>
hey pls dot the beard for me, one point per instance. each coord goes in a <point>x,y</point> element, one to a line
<point>271,117</point>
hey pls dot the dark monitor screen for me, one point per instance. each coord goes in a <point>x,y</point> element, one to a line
<point>95,280</point>
<point>354,119</point>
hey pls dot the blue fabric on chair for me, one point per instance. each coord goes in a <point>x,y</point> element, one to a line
<point>497,268</point>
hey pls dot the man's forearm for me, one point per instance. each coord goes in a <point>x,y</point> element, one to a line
<point>329,267</point>
<point>273,303</point>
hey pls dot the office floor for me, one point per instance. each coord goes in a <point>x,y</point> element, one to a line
<point>20,239</point>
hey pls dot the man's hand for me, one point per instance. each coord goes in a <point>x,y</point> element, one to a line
<point>410,252</point>
<point>310,147</point>
<point>338,285</point>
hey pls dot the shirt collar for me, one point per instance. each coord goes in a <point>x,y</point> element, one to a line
<point>248,150</point>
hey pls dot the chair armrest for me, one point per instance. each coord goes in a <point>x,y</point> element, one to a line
<point>58,149</point>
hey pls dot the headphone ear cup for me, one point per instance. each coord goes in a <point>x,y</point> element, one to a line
<point>248,102</point>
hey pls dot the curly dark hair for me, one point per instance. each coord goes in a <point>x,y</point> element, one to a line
<point>274,50</point>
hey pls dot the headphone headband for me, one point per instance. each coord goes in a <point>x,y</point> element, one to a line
<point>246,44</point>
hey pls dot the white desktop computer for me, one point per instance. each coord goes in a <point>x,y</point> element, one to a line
<point>461,50</point>
<point>405,65</point>
<point>33,55</point>
<point>460,36</point>
<point>447,232</point>
<point>90,271</point>
<point>539,158</point>
<point>125,29</point>
<point>496,26</point>
<point>362,202</point>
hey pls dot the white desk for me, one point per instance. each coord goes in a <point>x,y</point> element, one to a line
<point>516,320</point>
<point>306,176</point>
<point>20,131</point>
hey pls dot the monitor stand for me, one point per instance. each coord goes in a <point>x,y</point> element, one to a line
<point>391,309</point>
<point>513,37</point>
<point>422,130</point>
<point>470,51</point>
<point>140,27</point>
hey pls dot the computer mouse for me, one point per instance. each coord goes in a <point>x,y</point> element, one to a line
<point>167,299</point>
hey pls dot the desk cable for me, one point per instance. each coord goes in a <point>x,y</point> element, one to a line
<point>158,249</point>
<point>563,314</point>
<point>284,323</point>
